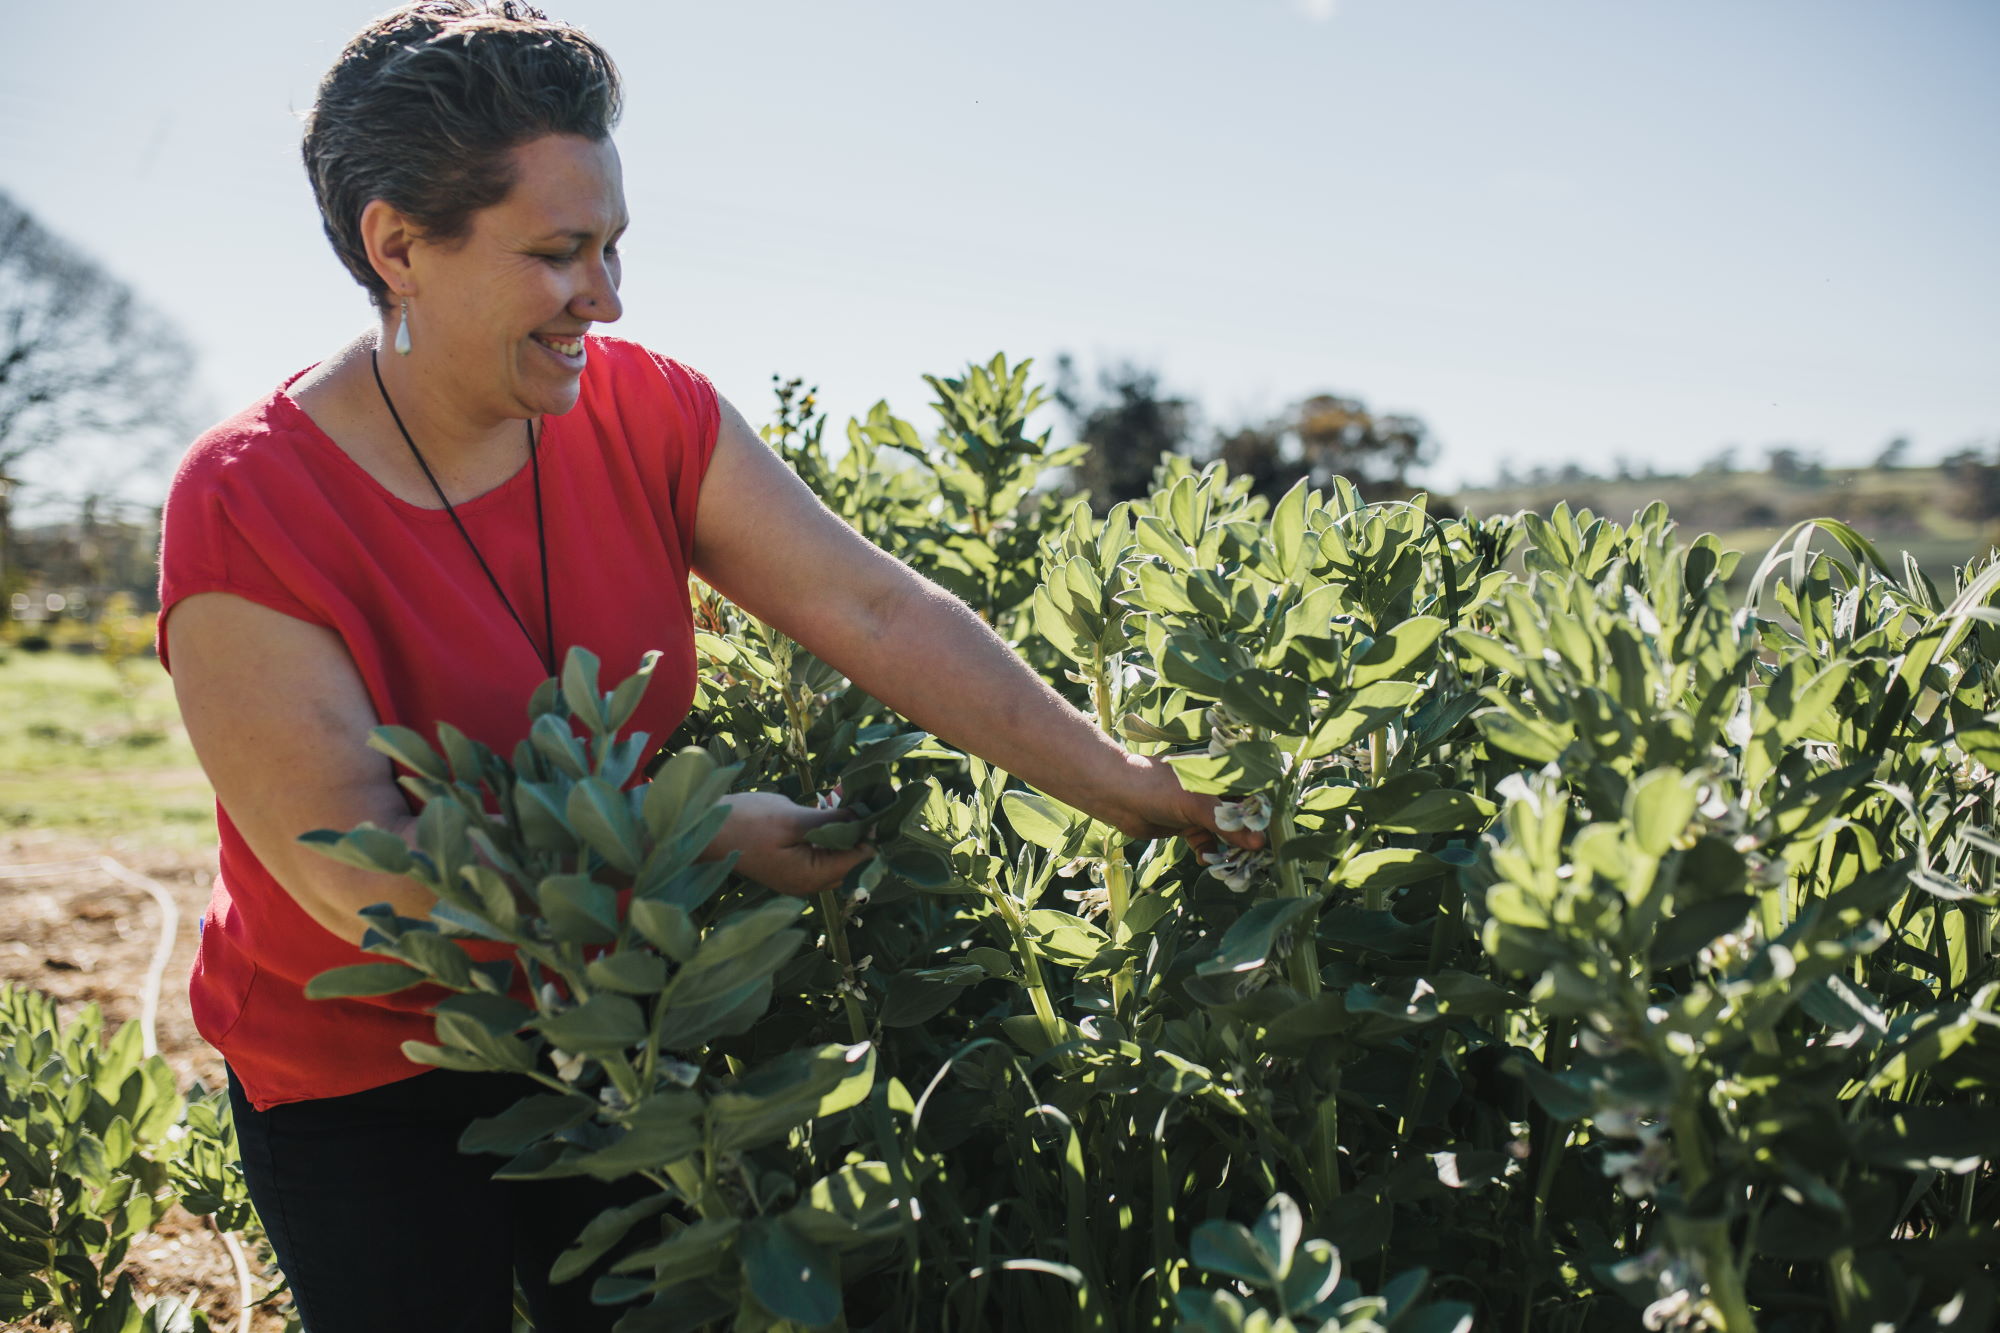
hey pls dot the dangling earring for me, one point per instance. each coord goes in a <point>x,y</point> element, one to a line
<point>403,332</point>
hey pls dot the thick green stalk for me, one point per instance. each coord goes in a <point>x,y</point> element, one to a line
<point>1117,874</point>
<point>836,943</point>
<point>1303,966</point>
<point>1709,1240</point>
<point>1325,1146</point>
<point>1031,962</point>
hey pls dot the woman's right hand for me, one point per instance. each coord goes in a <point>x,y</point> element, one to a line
<point>769,830</point>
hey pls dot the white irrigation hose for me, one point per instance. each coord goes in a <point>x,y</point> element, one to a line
<point>170,922</point>
<point>235,1249</point>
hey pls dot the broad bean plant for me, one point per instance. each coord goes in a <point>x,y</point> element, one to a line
<point>1621,954</point>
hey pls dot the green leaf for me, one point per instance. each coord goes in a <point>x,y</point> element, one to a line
<point>528,1121</point>
<point>692,1252</point>
<point>1689,929</point>
<point>602,818</point>
<point>363,979</point>
<point>1248,944</point>
<point>791,1277</point>
<point>666,927</point>
<point>787,1091</point>
<point>579,910</point>
<point>625,699</point>
<point>675,790</point>
<point>1396,650</point>
<point>857,1202</point>
<point>579,688</point>
<point>629,972</point>
<point>1437,812</point>
<point>539,814</point>
<point>1067,939</point>
<point>918,996</point>
<point>1039,819</point>
<point>1269,699</point>
<point>410,750</point>
<point>1288,530</point>
<point>603,1024</point>
<point>664,1129</point>
<point>366,847</point>
<point>1388,868</point>
<point>1228,1247</point>
<point>603,1232</point>
<point>1659,807</point>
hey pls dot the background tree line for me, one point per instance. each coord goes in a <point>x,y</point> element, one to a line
<point>1128,421</point>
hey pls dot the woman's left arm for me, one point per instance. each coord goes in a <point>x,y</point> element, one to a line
<point>765,541</point>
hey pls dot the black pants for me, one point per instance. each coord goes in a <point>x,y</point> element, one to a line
<point>383,1225</point>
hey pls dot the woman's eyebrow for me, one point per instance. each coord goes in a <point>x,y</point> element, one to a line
<point>577,233</point>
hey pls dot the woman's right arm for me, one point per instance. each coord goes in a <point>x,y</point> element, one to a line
<point>280,719</point>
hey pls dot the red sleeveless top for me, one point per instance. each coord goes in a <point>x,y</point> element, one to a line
<point>265,505</point>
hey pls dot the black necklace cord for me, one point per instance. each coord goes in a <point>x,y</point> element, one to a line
<point>541,536</point>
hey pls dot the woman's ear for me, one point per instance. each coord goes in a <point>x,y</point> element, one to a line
<point>388,235</point>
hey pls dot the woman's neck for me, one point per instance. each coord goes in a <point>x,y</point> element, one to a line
<point>467,455</point>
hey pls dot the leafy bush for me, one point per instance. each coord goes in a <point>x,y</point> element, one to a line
<point>98,1144</point>
<point>1619,956</point>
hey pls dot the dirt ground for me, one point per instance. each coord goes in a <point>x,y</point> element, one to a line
<point>86,936</point>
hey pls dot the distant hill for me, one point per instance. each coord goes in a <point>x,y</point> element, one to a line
<point>1943,516</point>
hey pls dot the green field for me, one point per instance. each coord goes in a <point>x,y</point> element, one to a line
<point>86,750</point>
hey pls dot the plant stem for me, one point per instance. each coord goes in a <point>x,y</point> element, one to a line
<point>1303,966</point>
<point>1709,1240</point>
<point>1117,874</point>
<point>837,943</point>
<point>1031,962</point>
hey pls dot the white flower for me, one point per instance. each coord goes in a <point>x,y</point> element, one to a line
<point>1640,1173</point>
<point>1237,866</point>
<point>1253,981</point>
<point>1252,812</point>
<point>1090,902</point>
<point>612,1098</point>
<point>569,1066</point>
<point>1225,730</point>
<point>551,999</point>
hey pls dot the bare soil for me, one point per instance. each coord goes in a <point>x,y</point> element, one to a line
<point>84,936</point>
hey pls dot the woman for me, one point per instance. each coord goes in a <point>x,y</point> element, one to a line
<point>417,535</point>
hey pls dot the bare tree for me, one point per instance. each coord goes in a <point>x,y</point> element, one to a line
<point>83,363</point>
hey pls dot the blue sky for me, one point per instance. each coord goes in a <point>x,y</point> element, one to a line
<point>1554,230</point>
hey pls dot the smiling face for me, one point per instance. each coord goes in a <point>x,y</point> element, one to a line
<point>498,316</point>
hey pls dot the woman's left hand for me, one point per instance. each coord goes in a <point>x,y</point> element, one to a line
<point>1155,805</point>
<point>769,829</point>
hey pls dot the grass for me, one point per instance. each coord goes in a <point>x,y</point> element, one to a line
<point>87,749</point>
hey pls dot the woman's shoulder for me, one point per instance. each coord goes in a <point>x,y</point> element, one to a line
<point>259,443</point>
<point>628,364</point>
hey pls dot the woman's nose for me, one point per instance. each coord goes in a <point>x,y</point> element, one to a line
<point>599,302</point>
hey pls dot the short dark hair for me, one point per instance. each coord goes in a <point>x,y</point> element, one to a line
<point>424,105</point>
